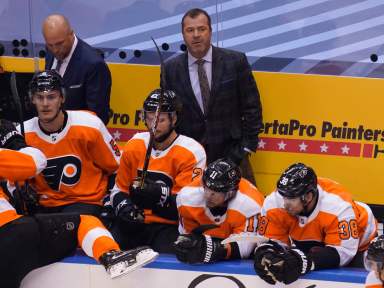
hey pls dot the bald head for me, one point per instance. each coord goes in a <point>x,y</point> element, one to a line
<point>58,35</point>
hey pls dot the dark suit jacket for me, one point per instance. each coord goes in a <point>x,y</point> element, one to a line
<point>234,114</point>
<point>87,80</point>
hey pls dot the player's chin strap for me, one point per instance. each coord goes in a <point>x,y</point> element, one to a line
<point>315,198</point>
<point>165,136</point>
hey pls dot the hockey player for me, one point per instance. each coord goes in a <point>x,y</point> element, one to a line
<point>174,161</point>
<point>226,204</point>
<point>80,152</point>
<point>314,224</point>
<point>374,262</point>
<point>27,243</point>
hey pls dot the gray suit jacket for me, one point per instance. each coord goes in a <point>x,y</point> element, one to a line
<point>234,114</point>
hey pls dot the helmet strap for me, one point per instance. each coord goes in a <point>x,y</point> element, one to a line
<point>230,194</point>
<point>165,136</point>
<point>306,211</point>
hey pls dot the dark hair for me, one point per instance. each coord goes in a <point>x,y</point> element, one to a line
<point>193,13</point>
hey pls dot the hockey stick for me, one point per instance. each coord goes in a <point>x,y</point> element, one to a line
<point>248,237</point>
<point>204,227</point>
<point>16,100</point>
<point>19,201</point>
<point>155,122</point>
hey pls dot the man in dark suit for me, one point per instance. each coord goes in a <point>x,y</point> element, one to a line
<point>86,76</point>
<point>221,102</point>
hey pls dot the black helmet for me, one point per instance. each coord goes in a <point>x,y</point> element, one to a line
<point>170,102</point>
<point>223,176</point>
<point>376,249</point>
<point>44,81</point>
<point>297,181</point>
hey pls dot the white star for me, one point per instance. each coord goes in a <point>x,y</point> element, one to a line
<point>282,145</point>
<point>303,146</point>
<point>116,135</point>
<point>345,149</point>
<point>261,144</point>
<point>324,148</point>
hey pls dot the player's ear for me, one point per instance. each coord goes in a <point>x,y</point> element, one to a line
<point>174,118</point>
<point>308,198</point>
<point>32,97</point>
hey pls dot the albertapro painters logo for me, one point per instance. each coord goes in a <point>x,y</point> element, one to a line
<point>339,140</point>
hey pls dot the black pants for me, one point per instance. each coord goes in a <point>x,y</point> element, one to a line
<point>160,237</point>
<point>28,243</point>
<point>358,260</point>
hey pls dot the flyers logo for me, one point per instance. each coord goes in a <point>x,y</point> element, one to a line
<point>205,277</point>
<point>64,170</point>
<point>197,172</point>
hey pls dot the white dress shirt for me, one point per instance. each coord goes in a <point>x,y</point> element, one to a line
<point>66,60</point>
<point>194,77</point>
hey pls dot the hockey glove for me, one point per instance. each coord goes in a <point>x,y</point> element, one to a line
<point>263,254</point>
<point>289,265</point>
<point>31,199</point>
<point>150,195</point>
<point>126,210</point>
<point>274,264</point>
<point>237,153</point>
<point>107,214</point>
<point>10,138</point>
<point>195,248</point>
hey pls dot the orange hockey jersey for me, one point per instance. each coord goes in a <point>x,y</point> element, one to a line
<point>15,166</point>
<point>241,215</point>
<point>80,159</point>
<point>336,221</point>
<point>176,166</point>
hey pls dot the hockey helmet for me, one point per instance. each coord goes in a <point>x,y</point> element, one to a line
<point>222,175</point>
<point>297,181</point>
<point>48,80</point>
<point>170,102</point>
<point>376,249</point>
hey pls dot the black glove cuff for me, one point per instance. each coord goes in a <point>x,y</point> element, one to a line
<point>18,143</point>
<point>164,195</point>
<point>118,198</point>
<point>215,251</point>
<point>305,259</point>
<point>13,141</point>
<point>324,257</point>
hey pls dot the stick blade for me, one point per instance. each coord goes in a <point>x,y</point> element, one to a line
<point>248,237</point>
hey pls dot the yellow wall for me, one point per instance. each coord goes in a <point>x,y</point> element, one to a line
<point>313,99</point>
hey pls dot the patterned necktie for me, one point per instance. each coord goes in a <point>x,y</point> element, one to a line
<point>204,84</point>
<point>58,65</point>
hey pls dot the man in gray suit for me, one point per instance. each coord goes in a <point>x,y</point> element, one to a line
<point>221,102</point>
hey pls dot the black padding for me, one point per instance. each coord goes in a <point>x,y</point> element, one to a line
<point>58,234</point>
